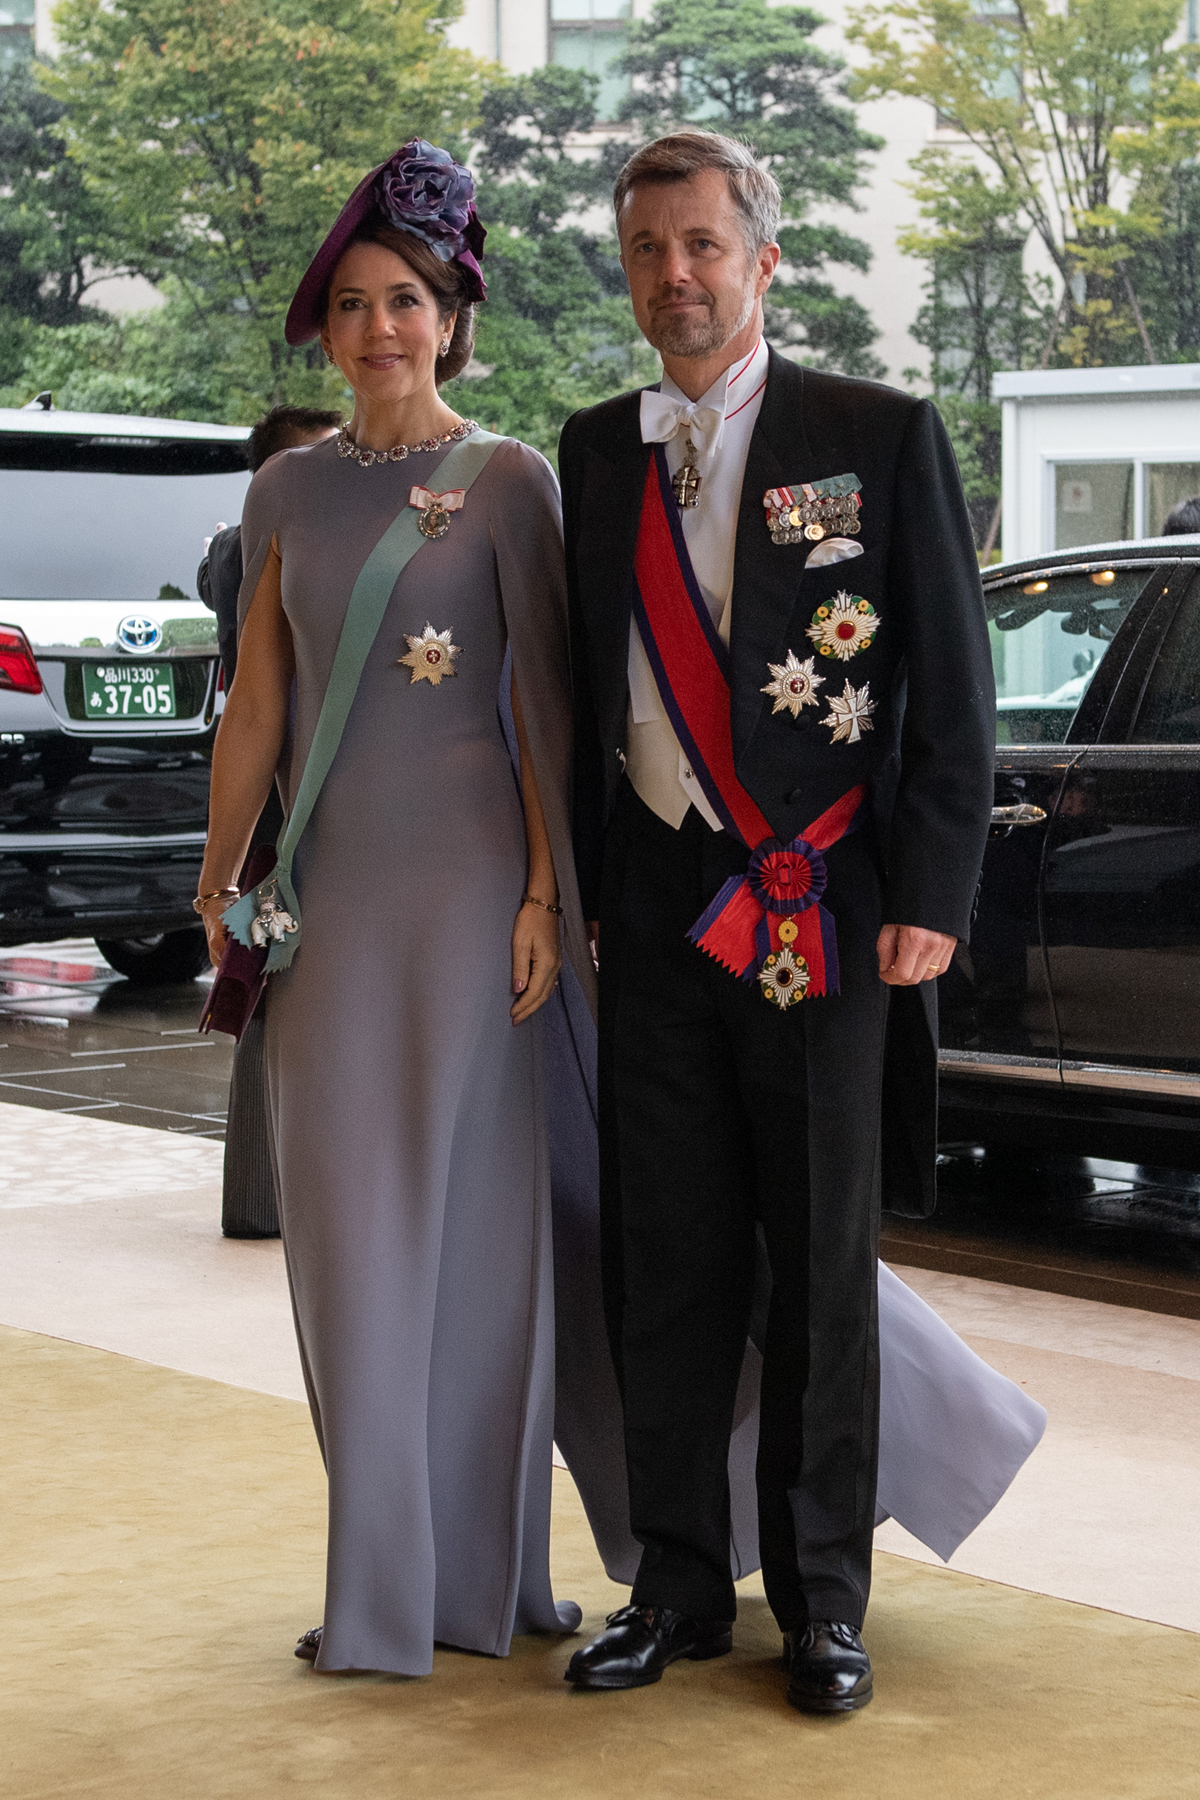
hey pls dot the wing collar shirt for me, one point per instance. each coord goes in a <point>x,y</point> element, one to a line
<point>721,424</point>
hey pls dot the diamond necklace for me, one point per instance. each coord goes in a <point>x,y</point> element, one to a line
<point>346,445</point>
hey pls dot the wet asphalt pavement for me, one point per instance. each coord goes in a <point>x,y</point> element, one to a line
<point>77,1037</point>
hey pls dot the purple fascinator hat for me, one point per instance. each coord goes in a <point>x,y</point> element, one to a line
<point>420,189</point>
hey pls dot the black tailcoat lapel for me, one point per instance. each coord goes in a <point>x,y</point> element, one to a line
<point>610,506</point>
<point>765,582</point>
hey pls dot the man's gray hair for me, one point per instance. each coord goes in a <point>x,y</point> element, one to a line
<point>685,153</point>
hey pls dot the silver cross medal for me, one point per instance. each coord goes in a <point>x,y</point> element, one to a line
<point>685,483</point>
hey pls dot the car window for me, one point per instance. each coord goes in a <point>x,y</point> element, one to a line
<point>1048,637</point>
<point>73,536</point>
<point>1170,708</point>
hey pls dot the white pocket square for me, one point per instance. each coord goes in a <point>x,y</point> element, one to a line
<point>833,550</point>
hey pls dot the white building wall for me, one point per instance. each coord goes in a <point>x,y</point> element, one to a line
<point>1147,415</point>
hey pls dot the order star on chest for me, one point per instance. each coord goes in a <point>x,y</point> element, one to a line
<point>430,656</point>
<point>793,684</point>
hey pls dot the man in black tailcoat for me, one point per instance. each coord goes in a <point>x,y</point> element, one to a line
<point>819,527</point>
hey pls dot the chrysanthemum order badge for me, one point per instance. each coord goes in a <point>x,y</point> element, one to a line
<point>844,627</point>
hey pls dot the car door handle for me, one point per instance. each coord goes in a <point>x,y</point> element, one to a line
<point>1022,814</point>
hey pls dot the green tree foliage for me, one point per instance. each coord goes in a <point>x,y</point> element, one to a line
<point>981,313</point>
<point>557,332</point>
<point>751,69</point>
<point>170,363</point>
<point>219,137</point>
<point>49,224</point>
<point>1080,115</point>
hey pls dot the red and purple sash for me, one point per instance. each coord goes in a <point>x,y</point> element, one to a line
<point>691,669</point>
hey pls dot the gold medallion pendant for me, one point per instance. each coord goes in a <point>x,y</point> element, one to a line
<point>433,510</point>
<point>430,656</point>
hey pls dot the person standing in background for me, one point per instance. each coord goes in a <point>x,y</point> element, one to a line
<point>248,1193</point>
<point>1183,518</point>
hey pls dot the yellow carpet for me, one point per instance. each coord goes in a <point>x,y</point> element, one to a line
<point>163,1549</point>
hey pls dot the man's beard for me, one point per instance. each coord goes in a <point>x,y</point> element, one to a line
<point>699,337</point>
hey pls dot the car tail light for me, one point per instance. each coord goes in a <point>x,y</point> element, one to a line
<point>18,670</point>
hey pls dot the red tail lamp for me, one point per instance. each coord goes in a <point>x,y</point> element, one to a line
<point>18,670</point>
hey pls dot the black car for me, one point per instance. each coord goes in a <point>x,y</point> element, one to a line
<point>109,688</point>
<point>1072,1019</point>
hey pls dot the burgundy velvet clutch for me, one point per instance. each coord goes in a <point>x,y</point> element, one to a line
<point>239,982</point>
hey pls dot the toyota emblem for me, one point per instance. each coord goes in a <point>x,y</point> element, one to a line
<point>138,633</point>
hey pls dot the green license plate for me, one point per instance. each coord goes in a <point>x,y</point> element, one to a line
<point>129,690</point>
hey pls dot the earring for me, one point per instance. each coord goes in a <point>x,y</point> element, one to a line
<point>445,347</point>
<point>327,356</point>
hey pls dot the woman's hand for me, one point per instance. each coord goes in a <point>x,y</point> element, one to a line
<point>214,928</point>
<point>536,960</point>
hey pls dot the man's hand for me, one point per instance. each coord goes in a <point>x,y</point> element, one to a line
<point>908,955</point>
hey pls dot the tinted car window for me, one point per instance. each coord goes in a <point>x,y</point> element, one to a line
<point>86,517</point>
<point>1048,637</point>
<point>1170,709</point>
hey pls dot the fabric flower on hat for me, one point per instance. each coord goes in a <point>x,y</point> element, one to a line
<point>423,190</point>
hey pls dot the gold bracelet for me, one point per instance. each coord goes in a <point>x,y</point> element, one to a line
<point>531,900</point>
<point>226,893</point>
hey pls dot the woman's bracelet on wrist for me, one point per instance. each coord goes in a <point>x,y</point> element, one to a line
<point>532,900</point>
<point>225,893</point>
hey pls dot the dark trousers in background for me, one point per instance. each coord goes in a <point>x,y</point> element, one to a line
<point>248,1208</point>
<point>719,1114</point>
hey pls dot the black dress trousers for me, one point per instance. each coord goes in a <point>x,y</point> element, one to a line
<point>721,1115</point>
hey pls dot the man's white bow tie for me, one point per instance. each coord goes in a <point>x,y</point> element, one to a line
<point>663,416</point>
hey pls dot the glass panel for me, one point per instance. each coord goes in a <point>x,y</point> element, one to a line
<point>593,49</point>
<point>1170,709</point>
<point>1166,485</point>
<point>1048,638</point>
<point>577,12</point>
<point>1093,503</point>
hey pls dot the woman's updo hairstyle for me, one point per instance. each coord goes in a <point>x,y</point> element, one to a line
<point>445,281</point>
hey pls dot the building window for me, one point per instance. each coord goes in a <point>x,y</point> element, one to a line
<point>1106,502</point>
<point>590,35</point>
<point>16,32</point>
<point>1093,503</point>
<point>1166,485</point>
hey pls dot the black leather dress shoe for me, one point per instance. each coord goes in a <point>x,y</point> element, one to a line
<point>828,1669</point>
<point>309,1644</point>
<point>639,1642</point>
